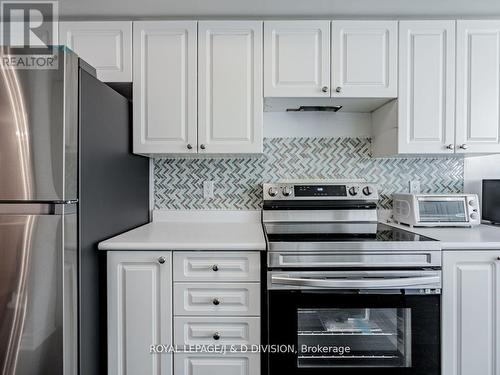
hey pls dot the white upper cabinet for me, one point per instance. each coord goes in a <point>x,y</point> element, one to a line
<point>165,87</point>
<point>106,45</point>
<point>470,312</point>
<point>297,59</point>
<point>230,97</point>
<point>364,59</point>
<point>426,87</point>
<point>478,86</point>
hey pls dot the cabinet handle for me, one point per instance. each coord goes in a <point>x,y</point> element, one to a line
<point>324,89</point>
<point>161,260</point>
<point>216,302</point>
<point>189,146</point>
<point>216,336</point>
<point>498,258</point>
<point>451,146</point>
<point>202,146</point>
<point>215,268</point>
<point>338,89</point>
<point>463,147</point>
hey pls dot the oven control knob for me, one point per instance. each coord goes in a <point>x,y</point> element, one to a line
<point>354,190</point>
<point>474,216</point>
<point>472,202</point>
<point>287,191</point>
<point>367,190</point>
<point>273,192</point>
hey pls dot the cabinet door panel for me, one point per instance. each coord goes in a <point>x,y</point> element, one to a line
<point>478,86</point>
<point>471,305</point>
<point>426,86</point>
<point>364,59</point>
<point>229,364</point>
<point>216,266</point>
<point>237,299</point>
<point>230,87</point>
<point>297,59</point>
<point>165,87</point>
<point>139,312</point>
<point>107,46</point>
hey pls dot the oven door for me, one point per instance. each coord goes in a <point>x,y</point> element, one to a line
<point>317,330</point>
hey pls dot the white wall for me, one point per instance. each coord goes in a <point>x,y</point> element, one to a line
<point>317,124</point>
<point>478,168</point>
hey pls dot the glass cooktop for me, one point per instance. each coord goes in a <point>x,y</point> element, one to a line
<point>339,232</point>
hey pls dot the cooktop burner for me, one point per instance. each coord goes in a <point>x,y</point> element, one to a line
<point>334,232</point>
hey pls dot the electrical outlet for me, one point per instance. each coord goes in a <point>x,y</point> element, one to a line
<point>208,189</point>
<point>414,187</point>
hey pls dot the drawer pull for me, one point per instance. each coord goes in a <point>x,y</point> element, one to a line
<point>216,302</point>
<point>215,268</point>
<point>216,336</point>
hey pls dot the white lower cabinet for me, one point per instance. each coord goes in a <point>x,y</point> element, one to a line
<point>139,312</point>
<point>207,364</point>
<point>471,313</point>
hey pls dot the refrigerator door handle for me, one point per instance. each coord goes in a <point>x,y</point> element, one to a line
<point>59,208</point>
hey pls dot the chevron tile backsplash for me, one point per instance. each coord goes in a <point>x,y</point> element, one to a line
<point>179,182</point>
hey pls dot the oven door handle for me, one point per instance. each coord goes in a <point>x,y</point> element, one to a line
<point>394,283</point>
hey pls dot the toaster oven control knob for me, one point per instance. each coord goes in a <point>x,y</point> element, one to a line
<point>367,190</point>
<point>472,202</point>
<point>474,216</point>
<point>273,192</point>
<point>287,191</point>
<point>354,191</point>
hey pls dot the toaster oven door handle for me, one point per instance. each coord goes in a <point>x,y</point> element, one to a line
<point>361,283</point>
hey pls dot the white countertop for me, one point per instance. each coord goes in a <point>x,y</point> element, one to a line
<point>482,237</point>
<point>194,230</point>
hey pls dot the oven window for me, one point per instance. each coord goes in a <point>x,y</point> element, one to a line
<point>358,337</point>
<point>442,211</point>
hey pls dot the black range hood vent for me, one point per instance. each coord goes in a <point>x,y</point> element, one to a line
<point>315,108</point>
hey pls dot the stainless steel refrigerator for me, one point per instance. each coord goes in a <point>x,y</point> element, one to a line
<point>67,181</point>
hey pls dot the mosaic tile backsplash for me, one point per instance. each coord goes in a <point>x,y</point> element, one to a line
<point>179,182</point>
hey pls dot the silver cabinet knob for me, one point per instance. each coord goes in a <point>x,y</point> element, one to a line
<point>215,268</point>
<point>451,146</point>
<point>161,260</point>
<point>216,301</point>
<point>463,147</point>
<point>189,146</point>
<point>203,147</point>
<point>216,336</point>
<point>498,258</point>
<point>324,89</point>
<point>338,89</point>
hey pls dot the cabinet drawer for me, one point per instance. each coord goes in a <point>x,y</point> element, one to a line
<point>216,266</point>
<point>228,364</point>
<point>217,299</point>
<point>216,331</point>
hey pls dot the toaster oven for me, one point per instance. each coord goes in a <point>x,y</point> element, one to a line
<point>436,210</point>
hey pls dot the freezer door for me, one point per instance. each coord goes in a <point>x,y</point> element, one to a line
<point>39,131</point>
<point>38,292</point>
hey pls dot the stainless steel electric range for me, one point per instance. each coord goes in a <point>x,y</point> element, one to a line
<point>346,293</point>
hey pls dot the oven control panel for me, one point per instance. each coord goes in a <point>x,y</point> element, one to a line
<point>320,191</point>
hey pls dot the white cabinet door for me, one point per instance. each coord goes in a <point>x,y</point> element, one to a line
<point>106,45</point>
<point>297,59</point>
<point>216,266</point>
<point>165,88</point>
<point>426,87</point>
<point>478,86</point>
<point>139,312</point>
<point>228,364</point>
<point>471,312</point>
<point>364,59</point>
<point>236,299</point>
<point>230,97</point>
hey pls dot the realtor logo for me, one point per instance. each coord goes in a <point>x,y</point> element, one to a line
<point>30,31</point>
